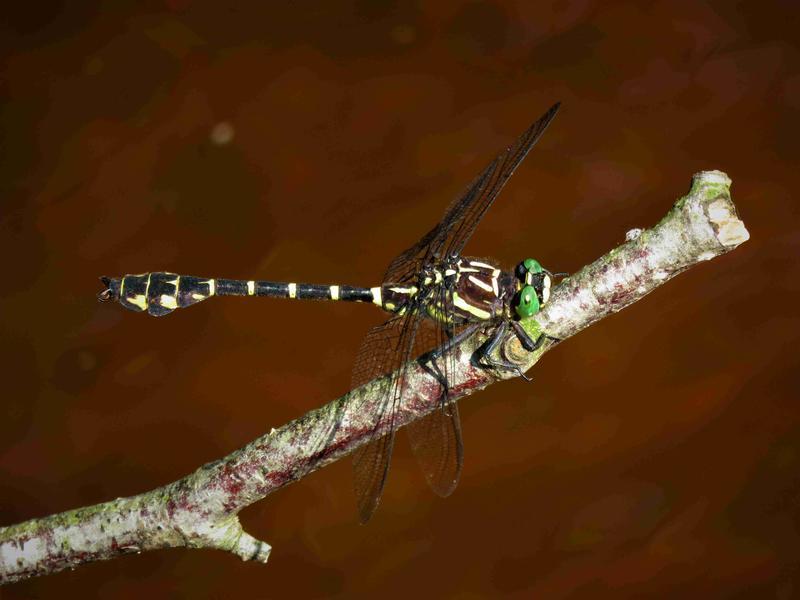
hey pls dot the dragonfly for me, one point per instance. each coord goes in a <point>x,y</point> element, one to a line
<point>436,298</point>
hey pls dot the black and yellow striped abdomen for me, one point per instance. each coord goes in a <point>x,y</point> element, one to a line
<point>479,291</point>
<point>157,293</point>
<point>160,293</point>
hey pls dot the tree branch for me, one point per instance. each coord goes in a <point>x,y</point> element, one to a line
<point>200,510</point>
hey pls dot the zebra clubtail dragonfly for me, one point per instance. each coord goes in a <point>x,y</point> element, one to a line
<point>437,298</point>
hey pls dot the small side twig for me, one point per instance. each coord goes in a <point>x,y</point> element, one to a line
<point>200,510</point>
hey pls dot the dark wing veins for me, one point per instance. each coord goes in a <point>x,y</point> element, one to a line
<point>435,439</point>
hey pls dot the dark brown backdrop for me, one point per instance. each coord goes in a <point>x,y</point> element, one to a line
<point>655,454</point>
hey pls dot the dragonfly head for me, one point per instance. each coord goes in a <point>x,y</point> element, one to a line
<point>533,287</point>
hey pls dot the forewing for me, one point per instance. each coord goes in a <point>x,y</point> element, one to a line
<point>452,232</point>
<point>492,181</point>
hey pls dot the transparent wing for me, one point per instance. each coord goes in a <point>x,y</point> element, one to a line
<point>370,468</point>
<point>436,438</point>
<point>437,446</point>
<point>452,232</point>
<point>386,349</point>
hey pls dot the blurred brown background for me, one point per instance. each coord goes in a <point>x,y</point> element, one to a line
<point>656,454</point>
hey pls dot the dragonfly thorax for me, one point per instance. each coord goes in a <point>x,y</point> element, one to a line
<point>463,290</point>
<point>460,290</point>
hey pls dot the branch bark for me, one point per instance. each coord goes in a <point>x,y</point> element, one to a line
<point>200,510</point>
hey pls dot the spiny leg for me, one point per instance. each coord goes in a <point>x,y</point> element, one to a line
<point>454,341</point>
<point>485,352</point>
<point>526,340</point>
<point>439,374</point>
<point>444,297</point>
<point>440,352</point>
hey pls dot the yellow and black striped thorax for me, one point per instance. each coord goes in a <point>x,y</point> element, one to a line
<point>463,290</point>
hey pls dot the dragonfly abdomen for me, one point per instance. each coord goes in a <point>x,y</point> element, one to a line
<point>160,293</point>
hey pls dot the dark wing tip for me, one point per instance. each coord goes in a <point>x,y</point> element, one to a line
<point>367,501</point>
<point>370,468</point>
<point>545,119</point>
<point>365,512</point>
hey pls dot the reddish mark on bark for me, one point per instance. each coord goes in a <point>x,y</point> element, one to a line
<point>428,391</point>
<point>335,447</point>
<point>82,557</point>
<point>230,481</point>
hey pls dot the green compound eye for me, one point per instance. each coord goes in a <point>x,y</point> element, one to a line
<point>532,266</point>
<point>528,302</point>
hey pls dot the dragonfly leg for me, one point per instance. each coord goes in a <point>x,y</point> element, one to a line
<point>454,341</point>
<point>437,353</point>
<point>526,340</point>
<point>485,359</point>
<point>434,369</point>
<point>450,333</point>
<point>498,336</point>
